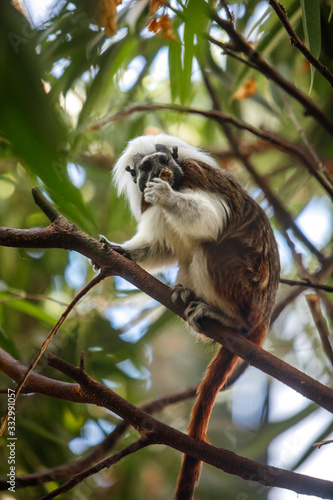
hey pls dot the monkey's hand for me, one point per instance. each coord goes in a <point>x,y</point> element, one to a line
<point>157,192</point>
<point>109,244</point>
<point>114,246</point>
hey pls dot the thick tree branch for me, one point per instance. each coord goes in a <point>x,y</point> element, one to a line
<point>39,383</point>
<point>242,347</point>
<point>252,354</point>
<point>159,433</point>
<point>72,392</point>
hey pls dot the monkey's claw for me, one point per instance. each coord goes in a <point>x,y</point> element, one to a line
<point>196,311</point>
<point>114,246</point>
<point>105,241</point>
<point>183,294</point>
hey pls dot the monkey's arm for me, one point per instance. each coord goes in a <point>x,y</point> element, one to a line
<point>197,214</point>
<point>148,246</point>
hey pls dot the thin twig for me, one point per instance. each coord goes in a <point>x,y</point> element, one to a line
<point>296,256</point>
<point>297,42</point>
<point>281,213</point>
<point>315,158</point>
<point>274,140</point>
<point>322,274</point>
<point>239,44</point>
<point>307,284</point>
<point>97,279</point>
<point>321,324</point>
<point>322,443</point>
<point>104,464</point>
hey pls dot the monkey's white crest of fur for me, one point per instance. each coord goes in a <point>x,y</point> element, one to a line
<point>145,144</point>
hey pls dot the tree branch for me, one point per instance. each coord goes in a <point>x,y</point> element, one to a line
<point>39,383</point>
<point>157,432</point>
<point>141,420</point>
<point>44,346</point>
<point>72,392</point>
<point>251,353</point>
<point>297,42</point>
<point>283,216</point>
<point>307,284</point>
<point>104,464</point>
<point>321,324</point>
<point>239,44</point>
<point>274,140</point>
<point>322,274</point>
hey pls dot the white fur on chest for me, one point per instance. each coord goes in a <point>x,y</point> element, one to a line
<point>155,227</point>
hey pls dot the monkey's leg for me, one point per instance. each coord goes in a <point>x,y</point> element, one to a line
<point>197,310</point>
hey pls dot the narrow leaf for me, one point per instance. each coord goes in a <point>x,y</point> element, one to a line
<point>175,69</point>
<point>312,31</point>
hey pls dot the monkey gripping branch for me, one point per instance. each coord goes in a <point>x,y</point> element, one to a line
<point>63,234</point>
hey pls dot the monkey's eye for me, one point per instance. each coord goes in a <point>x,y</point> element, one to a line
<point>146,166</point>
<point>164,160</point>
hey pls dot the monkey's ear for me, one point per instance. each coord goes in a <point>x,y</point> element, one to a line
<point>132,171</point>
<point>160,148</point>
<point>175,152</point>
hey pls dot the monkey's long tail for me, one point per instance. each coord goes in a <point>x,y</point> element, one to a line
<point>216,375</point>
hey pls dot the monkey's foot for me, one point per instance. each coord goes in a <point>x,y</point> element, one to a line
<point>183,294</point>
<point>196,311</point>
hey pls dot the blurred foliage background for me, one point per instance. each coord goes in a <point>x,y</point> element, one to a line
<point>60,77</point>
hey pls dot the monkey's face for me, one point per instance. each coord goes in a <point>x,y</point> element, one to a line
<point>150,166</point>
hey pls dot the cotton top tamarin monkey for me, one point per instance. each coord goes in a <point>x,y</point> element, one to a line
<point>202,219</point>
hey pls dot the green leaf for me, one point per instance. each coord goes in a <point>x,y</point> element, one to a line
<point>32,310</point>
<point>331,13</point>
<point>29,120</point>
<point>274,35</point>
<point>187,60</point>
<point>175,70</point>
<point>39,431</point>
<point>312,30</point>
<point>196,18</point>
<point>111,61</point>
